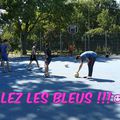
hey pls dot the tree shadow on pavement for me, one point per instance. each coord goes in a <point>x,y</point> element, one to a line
<point>25,81</point>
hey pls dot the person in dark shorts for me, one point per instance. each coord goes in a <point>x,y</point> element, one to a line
<point>33,57</point>
<point>48,58</point>
<point>90,57</point>
<point>4,55</point>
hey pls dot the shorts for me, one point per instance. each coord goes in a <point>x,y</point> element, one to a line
<point>4,57</point>
<point>47,61</point>
<point>33,57</point>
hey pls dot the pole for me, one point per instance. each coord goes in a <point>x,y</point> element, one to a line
<point>60,42</point>
<point>85,42</point>
<point>106,42</point>
<point>20,44</point>
<point>1,30</point>
<point>40,42</point>
<point>88,29</point>
<point>88,42</point>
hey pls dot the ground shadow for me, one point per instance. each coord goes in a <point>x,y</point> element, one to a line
<point>52,111</point>
<point>101,80</point>
<point>21,80</point>
<point>105,59</point>
<point>66,58</point>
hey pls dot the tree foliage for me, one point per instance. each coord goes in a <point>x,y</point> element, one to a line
<point>28,20</point>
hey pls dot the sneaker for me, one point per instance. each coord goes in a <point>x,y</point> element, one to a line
<point>46,74</point>
<point>89,77</point>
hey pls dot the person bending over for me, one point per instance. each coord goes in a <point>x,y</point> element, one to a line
<point>90,57</point>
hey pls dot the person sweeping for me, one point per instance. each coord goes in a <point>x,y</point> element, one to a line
<point>90,57</point>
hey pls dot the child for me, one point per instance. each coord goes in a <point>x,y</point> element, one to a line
<point>33,56</point>
<point>4,55</point>
<point>71,48</point>
<point>90,56</point>
<point>47,60</point>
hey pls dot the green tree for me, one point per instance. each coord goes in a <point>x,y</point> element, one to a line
<point>25,14</point>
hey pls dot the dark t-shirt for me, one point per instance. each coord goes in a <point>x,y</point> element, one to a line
<point>47,53</point>
<point>3,49</point>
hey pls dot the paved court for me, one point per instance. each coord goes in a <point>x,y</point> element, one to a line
<point>106,77</point>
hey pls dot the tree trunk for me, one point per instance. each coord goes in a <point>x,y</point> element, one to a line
<point>24,42</point>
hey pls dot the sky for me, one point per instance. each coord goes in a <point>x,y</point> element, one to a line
<point>118,1</point>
